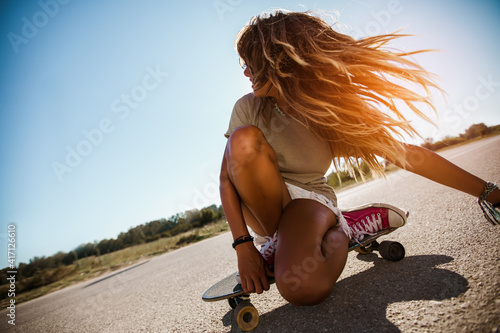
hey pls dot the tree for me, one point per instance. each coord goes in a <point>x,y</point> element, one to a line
<point>192,216</point>
<point>475,131</point>
<point>207,216</point>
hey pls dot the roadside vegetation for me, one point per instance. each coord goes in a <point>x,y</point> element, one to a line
<point>46,274</point>
<point>475,132</point>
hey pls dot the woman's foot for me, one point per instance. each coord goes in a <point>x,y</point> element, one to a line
<point>370,218</point>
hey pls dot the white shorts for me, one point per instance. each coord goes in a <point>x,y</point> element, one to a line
<point>268,244</point>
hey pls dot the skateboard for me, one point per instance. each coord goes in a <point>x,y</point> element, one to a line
<point>245,313</point>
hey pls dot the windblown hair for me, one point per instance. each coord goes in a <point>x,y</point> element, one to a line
<point>335,85</point>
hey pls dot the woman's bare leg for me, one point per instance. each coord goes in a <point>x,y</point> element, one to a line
<point>311,252</point>
<point>253,170</point>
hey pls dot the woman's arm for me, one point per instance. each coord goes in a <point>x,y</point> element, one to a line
<point>428,164</point>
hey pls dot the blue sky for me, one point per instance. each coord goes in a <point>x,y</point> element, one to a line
<point>112,113</point>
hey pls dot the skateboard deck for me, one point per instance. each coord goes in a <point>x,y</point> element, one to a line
<point>245,313</point>
<point>224,289</point>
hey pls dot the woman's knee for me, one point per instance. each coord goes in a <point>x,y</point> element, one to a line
<point>245,143</point>
<point>299,289</point>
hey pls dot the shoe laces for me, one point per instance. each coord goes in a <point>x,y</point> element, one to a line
<point>368,225</point>
<point>268,248</point>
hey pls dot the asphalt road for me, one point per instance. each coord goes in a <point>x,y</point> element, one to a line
<point>449,281</point>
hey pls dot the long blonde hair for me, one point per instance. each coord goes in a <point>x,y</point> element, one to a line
<point>335,85</point>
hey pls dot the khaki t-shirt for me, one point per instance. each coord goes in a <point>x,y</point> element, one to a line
<point>303,158</point>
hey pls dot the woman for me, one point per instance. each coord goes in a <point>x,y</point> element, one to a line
<point>316,97</point>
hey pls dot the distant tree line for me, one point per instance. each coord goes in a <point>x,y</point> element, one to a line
<point>41,271</point>
<point>475,131</point>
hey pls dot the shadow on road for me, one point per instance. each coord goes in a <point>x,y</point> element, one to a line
<point>358,303</point>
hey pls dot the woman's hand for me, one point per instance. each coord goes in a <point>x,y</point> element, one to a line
<point>252,268</point>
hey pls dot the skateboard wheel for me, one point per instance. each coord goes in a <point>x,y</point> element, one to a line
<point>246,316</point>
<point>393,251</point>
